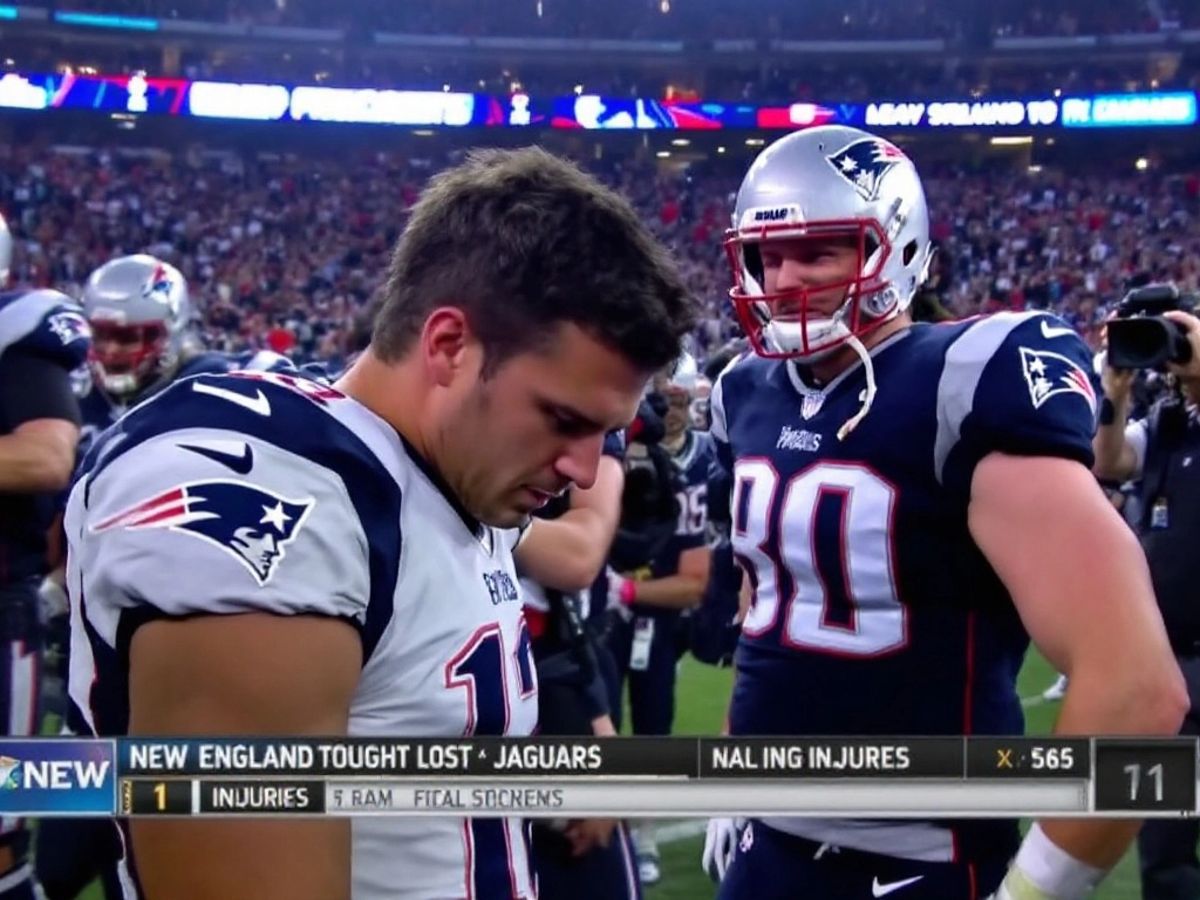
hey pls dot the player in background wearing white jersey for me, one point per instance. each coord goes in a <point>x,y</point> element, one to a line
<point>355,573</point>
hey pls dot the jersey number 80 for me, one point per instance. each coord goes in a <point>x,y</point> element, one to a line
<point>777,535</point>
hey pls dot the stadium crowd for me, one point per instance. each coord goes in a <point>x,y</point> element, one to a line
<point>284,252</point>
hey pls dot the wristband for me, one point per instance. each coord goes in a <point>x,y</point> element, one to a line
<point>1108,412</point>
<point>628,591</point>
<point>1043,869</point>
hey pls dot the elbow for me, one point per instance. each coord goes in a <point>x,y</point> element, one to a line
<point>1159,702</point>
<point>1173,703</point>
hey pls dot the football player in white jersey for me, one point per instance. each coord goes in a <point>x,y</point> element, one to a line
<point>261,554</point>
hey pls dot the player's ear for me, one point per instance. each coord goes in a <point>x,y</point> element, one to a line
<point>445,343</point>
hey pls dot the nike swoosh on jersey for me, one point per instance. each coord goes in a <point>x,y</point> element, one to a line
<point>1049,331</point>
<point>882,890</point>
<point>232,454</point>
<point>256,404</point>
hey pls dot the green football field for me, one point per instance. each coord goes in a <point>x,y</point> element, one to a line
<point>700,708</point>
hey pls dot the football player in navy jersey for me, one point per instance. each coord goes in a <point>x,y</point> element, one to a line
<point>43,338</point>
<point>912,504</point>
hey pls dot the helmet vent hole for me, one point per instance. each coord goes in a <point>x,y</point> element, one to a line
<point>910,252</point>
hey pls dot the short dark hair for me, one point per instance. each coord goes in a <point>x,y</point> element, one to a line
<point>521,240</point>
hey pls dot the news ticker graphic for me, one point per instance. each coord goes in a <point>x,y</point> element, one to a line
<point>552,777</point>
<point>269,102</point>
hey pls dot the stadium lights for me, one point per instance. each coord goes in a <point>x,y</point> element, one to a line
<point>1034,169</point>
<point>1013,141</point>
<point>720,149</point>
<point>754,142</point>
<point>423,132</point>
<point>680,142</point>
<point>1142,164</point>
<point>663,154</point>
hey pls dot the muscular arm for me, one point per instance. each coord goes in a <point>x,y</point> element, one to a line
<point>567,553</point>
<point>253,674</point>
<point>1080,583</point>
<point>38,456</point>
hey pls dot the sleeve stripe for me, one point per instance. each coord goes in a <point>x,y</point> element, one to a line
<point>965,361</point>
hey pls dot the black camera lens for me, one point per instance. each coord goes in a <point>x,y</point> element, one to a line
<point>1148,342</point>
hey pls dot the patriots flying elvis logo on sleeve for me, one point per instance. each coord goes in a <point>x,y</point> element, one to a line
<point>864,163</point>
<point>252,524</point>
<point>1047,374</point>
<point>68,326</point>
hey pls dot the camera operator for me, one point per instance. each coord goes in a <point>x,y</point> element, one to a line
<point>559,557</point>
<point>1161,450</point>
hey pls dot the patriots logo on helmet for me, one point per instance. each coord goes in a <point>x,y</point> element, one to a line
<point>69,327</point>
<point>252,524</point>
<point>1048,374</point>
<point>864,163</point>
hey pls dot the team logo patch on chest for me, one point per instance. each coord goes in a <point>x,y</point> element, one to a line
<point>250,523</point>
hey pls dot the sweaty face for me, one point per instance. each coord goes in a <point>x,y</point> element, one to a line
<point>821,266</point>
<point>536,425</point>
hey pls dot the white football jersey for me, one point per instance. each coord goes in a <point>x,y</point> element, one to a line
<point>267,492</point>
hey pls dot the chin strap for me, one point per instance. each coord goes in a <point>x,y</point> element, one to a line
<point>850,424</point>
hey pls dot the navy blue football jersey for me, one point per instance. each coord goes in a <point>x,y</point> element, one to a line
<point>692,464</point>
<point>874,610</point>
<point>45,323</point>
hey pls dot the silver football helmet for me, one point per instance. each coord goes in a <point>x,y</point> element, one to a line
<point>138,309</point>
<point>838,183</point>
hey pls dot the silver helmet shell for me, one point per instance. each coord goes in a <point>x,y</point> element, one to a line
<point>139,312</point>
<point>828,182</point>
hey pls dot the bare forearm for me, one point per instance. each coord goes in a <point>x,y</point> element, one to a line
<point>1099,703</point>
<point>299,860</point>
<point>1113,455</point>
<point>672,592</point>
<point>565,554</point>
<point>31,465</point>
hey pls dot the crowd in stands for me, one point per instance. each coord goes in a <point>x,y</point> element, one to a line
<point>954,20</point>
<point>286,251</point>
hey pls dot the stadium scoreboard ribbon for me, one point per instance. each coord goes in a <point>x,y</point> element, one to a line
<point>877,777</point>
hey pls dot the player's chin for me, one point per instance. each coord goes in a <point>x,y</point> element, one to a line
<point>511,513</point>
